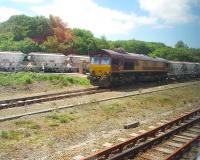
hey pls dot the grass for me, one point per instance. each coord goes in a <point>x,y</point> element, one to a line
<point>112,109</point>
<point>27,124</point>
<point>11,134</point>
<point>25,78</point>
<point>60,118</point>
<point>166,101</point>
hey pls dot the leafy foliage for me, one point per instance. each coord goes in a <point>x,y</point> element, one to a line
<point>181,44</point>
<point>178,54</point>
<point>83,42</point>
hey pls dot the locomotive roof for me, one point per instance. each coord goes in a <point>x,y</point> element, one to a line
<point>128,55</point>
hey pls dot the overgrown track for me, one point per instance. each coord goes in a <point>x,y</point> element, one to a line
<point>17,102</point>
<point>141,143</point>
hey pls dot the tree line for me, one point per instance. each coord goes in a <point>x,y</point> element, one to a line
<point>41,34</point>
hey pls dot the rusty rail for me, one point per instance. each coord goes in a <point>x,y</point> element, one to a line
<point>180,151</point>
<point>140,143</point>
<point>17,102</point>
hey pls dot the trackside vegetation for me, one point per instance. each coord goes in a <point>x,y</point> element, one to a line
<point>25,78</point>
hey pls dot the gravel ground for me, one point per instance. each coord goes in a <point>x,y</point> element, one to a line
<point>87,128</point>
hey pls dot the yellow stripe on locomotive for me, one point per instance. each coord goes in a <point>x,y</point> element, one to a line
<point>100,69</point>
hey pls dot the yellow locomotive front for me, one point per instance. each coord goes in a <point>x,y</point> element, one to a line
<point>100,69</point>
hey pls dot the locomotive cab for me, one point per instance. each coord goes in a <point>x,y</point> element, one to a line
<point>100,65</point>
<point>100,68</point>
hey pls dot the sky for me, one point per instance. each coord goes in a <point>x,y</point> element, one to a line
<point>166,21</point>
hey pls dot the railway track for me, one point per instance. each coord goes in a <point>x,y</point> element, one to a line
<point>17,102</point>
<point>166,142</point>
<point>135,93</point>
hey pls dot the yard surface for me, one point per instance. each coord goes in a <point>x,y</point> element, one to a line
<point>82,130</point>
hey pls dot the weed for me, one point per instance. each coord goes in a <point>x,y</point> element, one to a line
<point>53,124</point>
<point>150,99</point>
<point>72,112</point>
<point>61,117</point>
<point>166,101</point>
<point>10,134</point>
<point>34,126</point>
<point>113,108</point>
<point>51,143</point>
<point>93,100</point>
<point>28,124</point>
<point>26,133</point>
<point>143,115</point>
<point>23,122</point>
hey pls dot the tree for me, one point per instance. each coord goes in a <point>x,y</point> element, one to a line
<point>53,45</point>
<point>132,46</point>
<point>83,42</point>
<point>21,26</point>
<point>102,43</point>
<point>27,46</point>
<point>181,44</point>
<point>60,29</point>
<point>39,29</point>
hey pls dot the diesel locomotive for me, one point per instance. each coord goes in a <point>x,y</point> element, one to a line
<point>111,68</point>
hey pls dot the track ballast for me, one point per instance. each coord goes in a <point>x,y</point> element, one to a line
<point>130,148</point>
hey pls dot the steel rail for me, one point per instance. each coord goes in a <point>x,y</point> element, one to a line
<point>145,140</point>
<point>133,151</point>
<point>180,151</point>
<point>17,102</point>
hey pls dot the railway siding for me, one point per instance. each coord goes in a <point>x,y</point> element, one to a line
<point>135,93</point>
<point>9,103</point>
<point>146,140</point>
